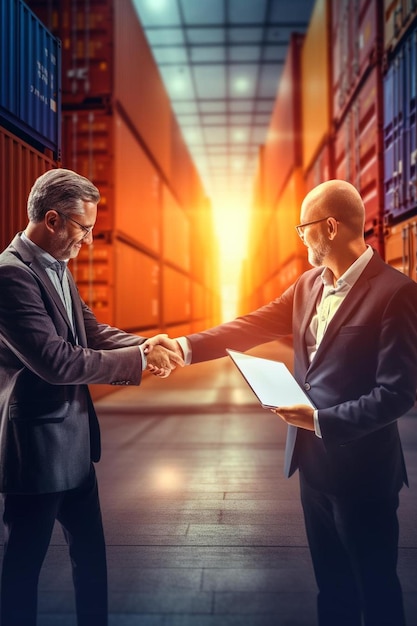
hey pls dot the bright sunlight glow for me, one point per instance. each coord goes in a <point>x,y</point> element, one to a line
<point>231,227</point>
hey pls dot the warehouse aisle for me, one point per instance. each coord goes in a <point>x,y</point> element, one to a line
<point>202,528</point>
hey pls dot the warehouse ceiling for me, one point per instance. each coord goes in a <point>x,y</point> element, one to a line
<point>221,62</point>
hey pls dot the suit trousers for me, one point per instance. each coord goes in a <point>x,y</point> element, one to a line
<point>29,521</point>
<point>354,549</point>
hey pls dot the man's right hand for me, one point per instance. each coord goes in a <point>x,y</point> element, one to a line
<point>162,355</point>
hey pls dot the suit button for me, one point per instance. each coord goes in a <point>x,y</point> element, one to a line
<point>307,386</point>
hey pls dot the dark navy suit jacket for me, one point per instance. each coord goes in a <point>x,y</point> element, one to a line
<point>362,378</point>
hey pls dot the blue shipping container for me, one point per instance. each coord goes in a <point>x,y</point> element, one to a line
<point>30,80</point>
<point>400,131</point>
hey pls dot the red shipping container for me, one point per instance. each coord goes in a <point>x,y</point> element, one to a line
<point>356,44</point>
<point>359,148</point>
<point>322,169</point>
<point>20,166</point>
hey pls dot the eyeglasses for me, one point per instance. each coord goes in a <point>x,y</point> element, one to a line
<point>300,227</point>
<point>87,229</point>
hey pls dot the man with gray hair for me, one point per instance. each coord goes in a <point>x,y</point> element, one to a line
<point>51,348</point>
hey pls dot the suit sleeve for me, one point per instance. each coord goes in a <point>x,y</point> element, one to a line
<point>30,328</point>
<point>267,323</point>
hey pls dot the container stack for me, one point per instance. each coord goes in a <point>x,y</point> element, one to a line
<point>143,272</point>
<point>30,110</point>
<point>400,136</point>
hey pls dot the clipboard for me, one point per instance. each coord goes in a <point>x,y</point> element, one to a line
<point>271,381</point>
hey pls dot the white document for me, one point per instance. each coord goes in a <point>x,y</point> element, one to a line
<point>271,381</point>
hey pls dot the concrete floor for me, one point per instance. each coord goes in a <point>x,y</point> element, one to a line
<point>202,529</point>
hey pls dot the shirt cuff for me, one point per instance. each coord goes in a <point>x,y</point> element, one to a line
<point>316,423</point>
<point>144,359</point>
<point>186,349</point>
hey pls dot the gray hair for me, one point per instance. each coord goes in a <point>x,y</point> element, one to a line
<point>62,190</point>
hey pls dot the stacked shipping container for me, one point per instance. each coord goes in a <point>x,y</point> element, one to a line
<point>143,272</point>
<point>29,110</point>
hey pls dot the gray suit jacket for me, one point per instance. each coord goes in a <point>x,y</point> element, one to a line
<point>49,432</point>
<point>362,378</point>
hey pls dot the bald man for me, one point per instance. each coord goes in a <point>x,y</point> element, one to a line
<point>354,324</point>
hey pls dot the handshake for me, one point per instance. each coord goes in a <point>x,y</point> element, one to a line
<point>163,355</point>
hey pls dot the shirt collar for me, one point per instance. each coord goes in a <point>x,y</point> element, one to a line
<point>44,258</point>
<point>349,278</point>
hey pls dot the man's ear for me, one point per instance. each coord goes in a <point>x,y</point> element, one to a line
<point>332,225</point>
<point>51,220</point>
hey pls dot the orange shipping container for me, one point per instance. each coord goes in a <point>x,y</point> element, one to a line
<point>315,92</point>
<point>175,232</point>
<point>282,150</point>
<point>401,247</point>
<point>20,165</point>
<point>176,298</point>
<point>102,147</point>
<point>120,284</point>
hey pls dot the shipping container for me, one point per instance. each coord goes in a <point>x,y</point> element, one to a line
<point>398,17</point>
<point>282,150</point>
<point>30,78</point>
<point>176,232</point>
<point>358,148</point>
<point>401,246</point>
<point>316,109</point>
<point>20,165</point>
<point>102,147</point>
<point>322,168</point>
<point>176,296</point>
<point>356,45</point>
<point>120,283</point>
<point>400,143</point>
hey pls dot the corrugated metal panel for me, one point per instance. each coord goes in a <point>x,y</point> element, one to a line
<point>137,80</point>
<point>356,36</point>
<point>286,217</point>
<point>401,247</point>
<point>30,79</point>
<point>176,299</point>
<point>410,173</point>
<point>175,232</point>
<point>88,148</point>
<point>322,168</point>
<point>358,148</point>
<point>102,147</point>
<point>20,165</point>
<point>316,107</point>
<point>282,151</point>
<point>400,141</point>
<point>85,29</point>
<point>394,148</point>
<point>398,16</point>
<point>105,273</point>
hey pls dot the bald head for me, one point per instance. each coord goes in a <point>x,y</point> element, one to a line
<point>339,199</point>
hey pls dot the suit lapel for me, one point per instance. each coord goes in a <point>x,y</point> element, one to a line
<point>354,300</point>
<point>77,311</point>
<point>309,310</point>
<point>31,261</point>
